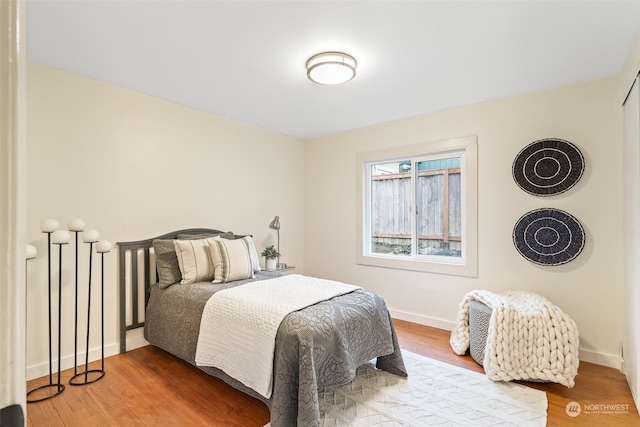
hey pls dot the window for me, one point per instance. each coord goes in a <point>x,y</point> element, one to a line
<point>417,207</point>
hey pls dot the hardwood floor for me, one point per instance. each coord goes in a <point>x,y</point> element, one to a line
<point>149,387</point>
<point>595,384</point>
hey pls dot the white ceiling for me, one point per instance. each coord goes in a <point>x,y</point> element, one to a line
<point>245,60</point>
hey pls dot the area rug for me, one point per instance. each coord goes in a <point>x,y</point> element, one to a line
<point>434,394</point>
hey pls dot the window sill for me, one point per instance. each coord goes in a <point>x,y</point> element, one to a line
<point>449,268</point>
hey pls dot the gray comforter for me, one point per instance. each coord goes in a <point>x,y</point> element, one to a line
<point>317,346</point>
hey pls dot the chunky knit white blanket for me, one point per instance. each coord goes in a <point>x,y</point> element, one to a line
<point>529,338</point>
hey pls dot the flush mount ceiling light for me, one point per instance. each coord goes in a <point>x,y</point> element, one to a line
<point>331,68</point>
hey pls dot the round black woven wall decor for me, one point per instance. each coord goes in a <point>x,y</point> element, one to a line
<point>548,236</point>
<point>548,166</point>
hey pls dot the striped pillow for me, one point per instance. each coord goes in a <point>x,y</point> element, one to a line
<point>233,259</point>
<point>253,254</point>
<point>193,259</point>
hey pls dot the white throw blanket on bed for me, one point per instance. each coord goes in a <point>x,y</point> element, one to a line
<point>528,338</point>
<point>239,325</point>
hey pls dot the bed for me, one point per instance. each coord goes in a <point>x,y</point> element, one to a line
<point>315,347</point>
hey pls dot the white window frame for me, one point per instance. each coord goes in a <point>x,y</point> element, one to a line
<point>467,149</point>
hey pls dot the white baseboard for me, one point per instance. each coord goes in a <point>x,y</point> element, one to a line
<point>66,362</point>
<point>608,360</point>
<point>422,320</point>
<point>135,339</point>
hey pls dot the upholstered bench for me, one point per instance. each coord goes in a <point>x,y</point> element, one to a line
<point>479,317</point>
<point>517,335</point>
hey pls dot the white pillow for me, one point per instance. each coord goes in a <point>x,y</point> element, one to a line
<point>233,259</point>
<point>194,261</point>
<point>253,254</point>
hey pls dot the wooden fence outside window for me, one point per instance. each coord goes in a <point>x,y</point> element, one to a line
<point>439,213</point>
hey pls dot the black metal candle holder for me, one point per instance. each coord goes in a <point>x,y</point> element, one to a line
<point>61,239</point>
<point>76,225</point>
<point>83,378</point>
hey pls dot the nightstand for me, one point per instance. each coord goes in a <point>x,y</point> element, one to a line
<point>283,268</point>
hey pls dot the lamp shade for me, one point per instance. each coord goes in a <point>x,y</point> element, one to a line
<point>49,225</point>
<point>103,246</point>
<point>331,68</point>
<point>60,237</point>
<point>30,252</point>
<point>90,236</point>
<point>275,224</point>
<point>76,224</point>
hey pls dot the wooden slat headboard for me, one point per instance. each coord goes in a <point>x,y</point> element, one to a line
<point>130,256</point>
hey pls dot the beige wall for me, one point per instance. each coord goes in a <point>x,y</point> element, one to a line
<point>632,220</point>
<point>134,167</point>
<point>631,223</point>
<point>589,289</point>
